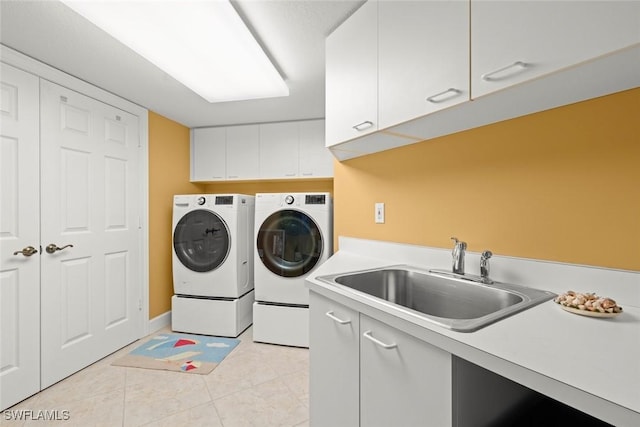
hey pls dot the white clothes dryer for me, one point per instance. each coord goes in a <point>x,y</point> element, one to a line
<point>212,244</point>
<point>212,260</point>
<point>293,236</point>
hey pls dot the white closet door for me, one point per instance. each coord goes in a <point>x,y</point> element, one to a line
<point>19,229</point>
<point>91,302</point>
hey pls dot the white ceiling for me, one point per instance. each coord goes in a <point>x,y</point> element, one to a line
<point>291,31</point>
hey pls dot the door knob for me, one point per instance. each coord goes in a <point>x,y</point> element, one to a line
<point>28,251</point>
<point>53,248</point>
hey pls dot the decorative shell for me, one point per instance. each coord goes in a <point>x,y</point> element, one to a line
<point>588,302</point>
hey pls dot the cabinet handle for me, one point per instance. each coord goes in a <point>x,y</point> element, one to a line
<point>333,317</point>
<point>368,336</point>
<point>438,97</point>
<point>363,126</point>
<point>491,76</point>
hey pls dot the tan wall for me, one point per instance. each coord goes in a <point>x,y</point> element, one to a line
<point>320,185</point>
<point>560,185</point>
<point>168,175</point>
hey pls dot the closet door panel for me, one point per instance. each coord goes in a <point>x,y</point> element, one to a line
<point>90,230</point>
<point>19,231</point>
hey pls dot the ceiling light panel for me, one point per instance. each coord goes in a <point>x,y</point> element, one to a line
<point>203,44</point>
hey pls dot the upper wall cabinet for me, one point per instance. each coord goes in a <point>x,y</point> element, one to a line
<point>243,152</point>
<point>208,154</point>
<point>279,150</point>
<point>282,150</point>
<point>351,107</point>
<point>225,153</point>
<point>393,61</point>
<point>423,58</point>
<point>442,66</point>
<point>294,150</point>
<point>514,41</point>
<point>315,160</point>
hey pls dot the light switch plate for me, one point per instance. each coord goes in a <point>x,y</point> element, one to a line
<point>379,214</point>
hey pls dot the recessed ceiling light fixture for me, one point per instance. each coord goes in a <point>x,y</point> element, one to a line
<point>204,44</point>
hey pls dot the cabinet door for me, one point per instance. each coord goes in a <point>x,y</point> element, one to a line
<point>315,158</point>
<point>403,381</point>
<point>514,41</point>
<point>352,76</point>
<point>423,56</point>
<point>334,360</point>
<point>279,150</point>
<point>208,154</point>
<point>243,152</point>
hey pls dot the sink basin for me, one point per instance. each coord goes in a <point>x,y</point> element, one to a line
<point>458,302</point>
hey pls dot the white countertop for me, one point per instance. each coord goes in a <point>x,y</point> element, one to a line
<point>592,364</point>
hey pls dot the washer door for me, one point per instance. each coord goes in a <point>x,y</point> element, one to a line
<point>201,240</point>
<point>289,243</point>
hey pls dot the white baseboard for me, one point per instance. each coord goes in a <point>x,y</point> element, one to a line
<point>159,322</point>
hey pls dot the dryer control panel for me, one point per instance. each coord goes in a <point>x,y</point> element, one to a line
<point>224,200</point>
<point>316,199</point>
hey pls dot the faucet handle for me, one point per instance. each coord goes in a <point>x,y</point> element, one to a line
<point>484,264</point>
<point>459,243</point>
<point>458,255</point>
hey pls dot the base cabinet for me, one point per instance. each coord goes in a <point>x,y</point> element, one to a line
<point>334,354</point>
<point>403,381</point>
<point>365,373</point>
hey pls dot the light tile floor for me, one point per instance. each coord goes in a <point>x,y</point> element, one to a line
<point>255,385</point>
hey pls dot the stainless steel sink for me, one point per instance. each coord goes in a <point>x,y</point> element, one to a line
<point>458,302</point>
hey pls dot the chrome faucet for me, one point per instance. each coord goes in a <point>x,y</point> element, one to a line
<point>484,265</point>
<point>458,255</point>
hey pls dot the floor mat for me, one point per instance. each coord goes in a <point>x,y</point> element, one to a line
<point>194,354</point>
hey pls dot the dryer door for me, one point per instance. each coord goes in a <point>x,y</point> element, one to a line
<point>289,243</point>
<point>201,240</point>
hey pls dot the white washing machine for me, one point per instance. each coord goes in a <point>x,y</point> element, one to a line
<point>212,263</point>
<point>293,236</point>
